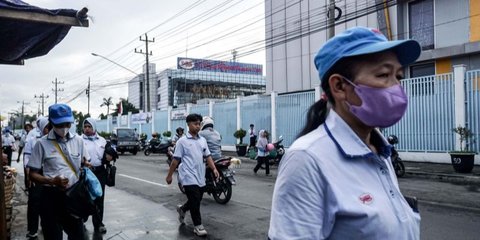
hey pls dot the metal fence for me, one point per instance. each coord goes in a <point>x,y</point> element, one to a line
<point>429,120</point>
<point>426,127</point>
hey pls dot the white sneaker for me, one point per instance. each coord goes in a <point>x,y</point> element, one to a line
<point>181,214</point>
<point>200,230</point>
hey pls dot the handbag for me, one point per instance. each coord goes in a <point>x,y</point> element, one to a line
<point>111,170</point>
<point>78,202</point>
<point>94,186</point>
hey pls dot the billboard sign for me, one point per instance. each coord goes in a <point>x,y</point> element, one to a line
<point>219,66</point>
<point>141,118</point>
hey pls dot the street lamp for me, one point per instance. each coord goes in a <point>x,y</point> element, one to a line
<point>98,55</point>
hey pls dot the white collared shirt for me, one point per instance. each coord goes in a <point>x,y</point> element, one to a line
<point>96,147</point>
<point>330,185</point>
<point>46,156</point>
<point>191,151</point>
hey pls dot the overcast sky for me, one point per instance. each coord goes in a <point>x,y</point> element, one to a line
<point>208,29</point>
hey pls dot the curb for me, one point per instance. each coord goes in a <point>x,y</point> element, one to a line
<point>454,178</point>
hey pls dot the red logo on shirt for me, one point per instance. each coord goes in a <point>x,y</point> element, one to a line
<point>366,198</point>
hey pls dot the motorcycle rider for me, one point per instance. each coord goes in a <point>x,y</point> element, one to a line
<point>213,137</point>
<point>178,135</point>
<point>155,139</point>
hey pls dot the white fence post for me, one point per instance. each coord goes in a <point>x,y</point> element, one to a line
<point>273,98</point>
<point>169,118</point>
<point>109,120</point>
<point>318,92</point>
<point>129,119</point>
<point>210,107</point>
<point>189,108</point>
<point>239,116</point>
<point>152,120</point>
<point>459,99</point>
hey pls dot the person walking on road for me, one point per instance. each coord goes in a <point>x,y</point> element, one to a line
<point>8,144</point>
<point>49,167</point>
<point>336,181</point>
<point>23,140</point>
<point>34,190</point>
<point>178,134</point>
<point>262,153</point>
<point>189,153</point>
<point>253,136</point>
<point>97,146</point>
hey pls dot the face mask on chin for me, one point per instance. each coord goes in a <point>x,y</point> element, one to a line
<point>62,132</point>
<point>381,107</point>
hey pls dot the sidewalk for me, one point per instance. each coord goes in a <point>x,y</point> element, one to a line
<point>128,217</point>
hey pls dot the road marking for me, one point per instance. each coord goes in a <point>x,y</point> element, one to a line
<point>143,180</point>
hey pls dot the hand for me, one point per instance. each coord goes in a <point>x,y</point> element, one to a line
<point>217,175</point>
<point>169,179</point>
<point>108,157</point>
<point>87,164</point>
<point>60,182</point>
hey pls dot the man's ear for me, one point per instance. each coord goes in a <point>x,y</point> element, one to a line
<point>337,87</point>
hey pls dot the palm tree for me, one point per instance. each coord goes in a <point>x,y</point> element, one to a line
<point>107,102</point>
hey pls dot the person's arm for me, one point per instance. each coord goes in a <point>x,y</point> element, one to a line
<point>173,166</point>
<point>300,197</point>
<point>57,181</point>
<point>211,165</point>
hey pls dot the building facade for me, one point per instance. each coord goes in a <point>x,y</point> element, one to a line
<point>448,32</point>
<point>196,80</point>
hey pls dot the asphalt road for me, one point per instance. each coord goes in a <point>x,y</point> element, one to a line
<point>449,211</point>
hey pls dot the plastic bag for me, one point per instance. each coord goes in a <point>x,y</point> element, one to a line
<point>94,187</point>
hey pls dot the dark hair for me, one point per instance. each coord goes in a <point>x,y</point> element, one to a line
<point>179,129</point>
<point>317,113</point>
<point>193,117</point>
<point>207,126</point>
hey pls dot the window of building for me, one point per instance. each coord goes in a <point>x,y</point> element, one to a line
<point>422,79</point>
<point>420,21</point>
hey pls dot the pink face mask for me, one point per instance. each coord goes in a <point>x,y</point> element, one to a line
<point>381,107</point>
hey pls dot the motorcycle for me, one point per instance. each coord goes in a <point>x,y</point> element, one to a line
<point>161,147</point>
<point>220,189</point>
<point>143,144</point>
<point>396,160</point>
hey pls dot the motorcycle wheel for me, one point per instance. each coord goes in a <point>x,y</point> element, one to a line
<point>399,167</point>
<point>147,152</point>
<point>223,192</point>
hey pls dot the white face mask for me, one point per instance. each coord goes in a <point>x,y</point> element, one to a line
<point>62,132</point>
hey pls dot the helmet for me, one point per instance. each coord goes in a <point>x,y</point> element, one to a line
<point>270,147</point>
<point>179,129</point>
<point>392,139</point>
<point>206,121</point>
<point>154,134</point>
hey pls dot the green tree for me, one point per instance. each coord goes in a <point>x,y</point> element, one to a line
<point>127,107</point>
<point>107,102</point>
<point>79,118</point>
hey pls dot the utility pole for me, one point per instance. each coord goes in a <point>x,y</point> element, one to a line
<point>23,113</point>
<point>42,97</point>
<point>147,71</point>
<point>88,96</point>
<point>331,19</point>
<point>56,89</point>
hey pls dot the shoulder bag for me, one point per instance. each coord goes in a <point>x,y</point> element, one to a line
<point>111,170</point>
<point>78,202</point>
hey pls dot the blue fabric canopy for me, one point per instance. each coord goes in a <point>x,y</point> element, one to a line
<point>28,31</point>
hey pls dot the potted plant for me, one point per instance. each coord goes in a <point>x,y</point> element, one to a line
<point>463,160</point>
<point>167,134</point>
<point>241,147</point>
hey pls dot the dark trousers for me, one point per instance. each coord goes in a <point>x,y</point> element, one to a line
<point>20,149</point>
<point>97,219</point>
<point>194,194</point>
<point>253,141</point>
<point>55,218</point>
<point>33,208</point>
<point>8,150</point>
<point>260,161</point>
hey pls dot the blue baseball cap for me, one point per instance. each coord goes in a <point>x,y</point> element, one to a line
<point>60,113</point>
<point>360,41</point>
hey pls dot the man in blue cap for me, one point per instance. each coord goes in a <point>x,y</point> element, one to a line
<point>337,181</point>
<point>55,163</point>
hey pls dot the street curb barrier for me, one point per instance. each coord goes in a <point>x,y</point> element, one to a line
<point>454,178</point>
